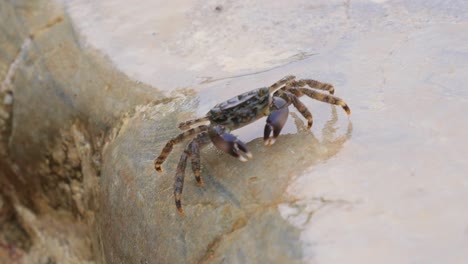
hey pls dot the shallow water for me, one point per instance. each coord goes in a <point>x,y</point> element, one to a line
<point>396,190</point>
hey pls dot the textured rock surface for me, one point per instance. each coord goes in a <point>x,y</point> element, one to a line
<point>388,185</point>
<point>234,217</point>
<point>58,103</point>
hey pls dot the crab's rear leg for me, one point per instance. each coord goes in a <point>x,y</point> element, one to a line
<point>292,98</point>
<point>229,143</point>
<point>278,84</point>
<point>321,97</point>
<point>314,84</point>
<point>170,144</point>
<point>276,120</point>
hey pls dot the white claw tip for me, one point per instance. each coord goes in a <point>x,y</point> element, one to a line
<point>241,158</point>
<point>270,141</point>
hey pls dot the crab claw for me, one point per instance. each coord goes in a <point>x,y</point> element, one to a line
<point>230,144</point>
<point>275,121</point>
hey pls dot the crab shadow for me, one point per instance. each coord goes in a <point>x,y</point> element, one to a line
<point>264,179</point>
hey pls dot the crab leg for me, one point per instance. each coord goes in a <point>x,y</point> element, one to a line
<point>187,124</point>
<point>322,97</point>
<point>194,149</point>
<point>275,120</point>
<point>170,144</point>
<point>179,182</point>
<point>281,82</point>
<point>300,107</point>
<point>229,143</point>
<point>314,84</point>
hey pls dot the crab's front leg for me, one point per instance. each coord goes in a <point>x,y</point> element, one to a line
<point>193,151</point>
<point>170,144</point>
<point>275,120</point>
<point>229,143</point>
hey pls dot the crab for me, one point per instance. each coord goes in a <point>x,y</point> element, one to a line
<point>237,112</point>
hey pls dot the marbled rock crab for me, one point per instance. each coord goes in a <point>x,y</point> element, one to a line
<point>239,111</point>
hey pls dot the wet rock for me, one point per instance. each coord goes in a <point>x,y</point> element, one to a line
<point>234,217</point>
